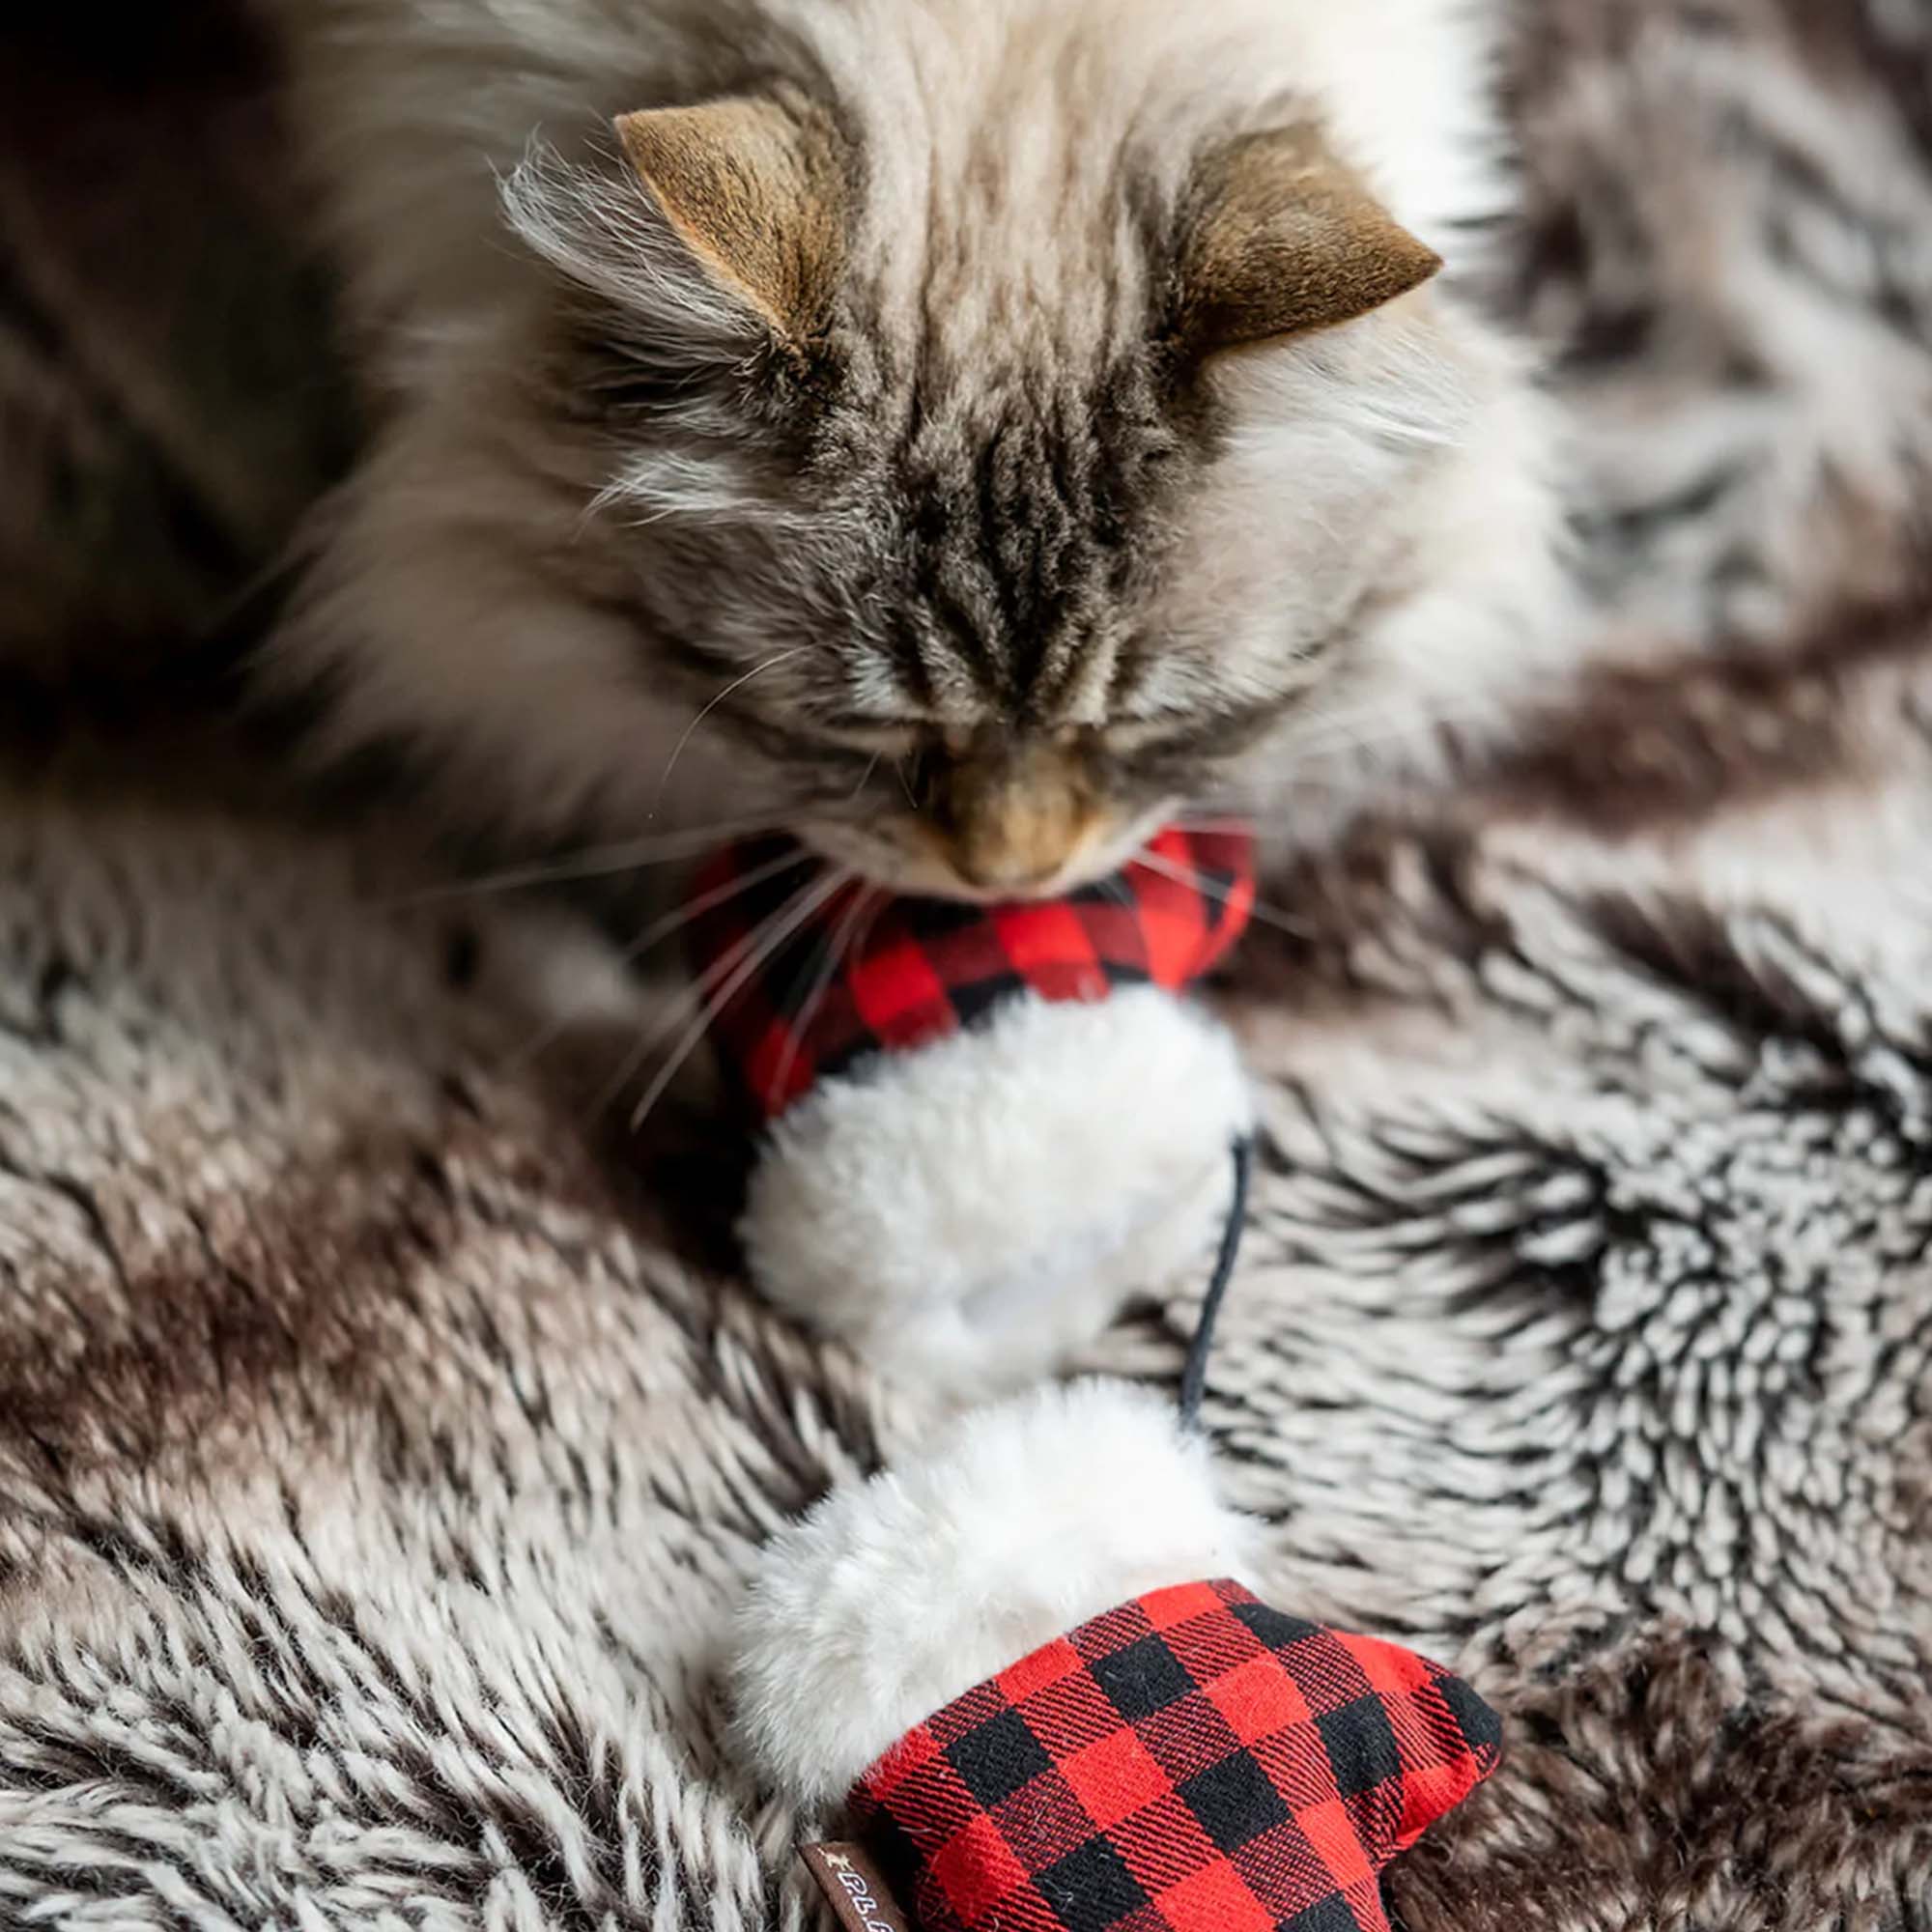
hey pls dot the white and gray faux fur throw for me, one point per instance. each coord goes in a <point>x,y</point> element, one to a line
<point>379,1468</point>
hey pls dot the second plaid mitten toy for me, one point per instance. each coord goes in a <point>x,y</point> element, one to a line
<point>1021,1662</point>
<point>986,1124</point>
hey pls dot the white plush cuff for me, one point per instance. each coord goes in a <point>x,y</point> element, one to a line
<point>897,1595</point>
<point>979,1207</point>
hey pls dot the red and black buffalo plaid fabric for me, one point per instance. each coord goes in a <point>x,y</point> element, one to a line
<point>1190,1762</point>
<point>809,976</point>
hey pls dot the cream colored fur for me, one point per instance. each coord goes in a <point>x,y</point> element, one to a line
<point>412,108</point>
<point>895,1595</point>
<point>976,1209</point>
<point>1389,480</point>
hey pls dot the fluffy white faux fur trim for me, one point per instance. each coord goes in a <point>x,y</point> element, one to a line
<point>979,1209</point>
<point>895,1595</point>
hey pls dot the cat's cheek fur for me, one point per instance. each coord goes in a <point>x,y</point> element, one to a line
<point>973,1211</point>
<point>1017,1523</point>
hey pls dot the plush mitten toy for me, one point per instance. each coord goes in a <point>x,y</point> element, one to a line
<point>969,1103</point>
<point>1022,1663</point>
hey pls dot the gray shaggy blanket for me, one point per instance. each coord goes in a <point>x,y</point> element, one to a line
<point>380,1448</point>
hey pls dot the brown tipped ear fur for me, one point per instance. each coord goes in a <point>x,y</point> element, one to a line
<point>756,189</point>
<point>1284,237</point>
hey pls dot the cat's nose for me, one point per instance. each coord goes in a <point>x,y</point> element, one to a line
<point>1014,820</point>
<point>1005,871</point>
<point>1017,843</point>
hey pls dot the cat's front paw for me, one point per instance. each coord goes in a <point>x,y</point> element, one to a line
<point>975,1210</point>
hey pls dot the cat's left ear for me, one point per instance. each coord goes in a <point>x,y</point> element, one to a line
<point>1279,237</point>
<point>756,189</point>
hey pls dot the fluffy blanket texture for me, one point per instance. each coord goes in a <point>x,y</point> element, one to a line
<point>378,1465</point>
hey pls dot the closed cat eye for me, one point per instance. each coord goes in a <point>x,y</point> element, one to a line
<point>867,738</point>
<point>898,739</point>
<point>1150,734</point>
<point>875,739</point>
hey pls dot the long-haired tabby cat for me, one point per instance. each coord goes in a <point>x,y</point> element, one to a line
<point>962,431</point>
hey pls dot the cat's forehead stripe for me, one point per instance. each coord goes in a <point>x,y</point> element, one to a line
<point>1020,500</point>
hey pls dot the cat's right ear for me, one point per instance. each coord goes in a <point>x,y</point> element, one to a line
<point>755,189</point>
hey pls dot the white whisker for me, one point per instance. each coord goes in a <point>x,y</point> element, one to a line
<point>737,684</point>
<point>689,997</point>
<point>1344,730</point>
<point>1185,875</point>
<point>846,937</point>
<point>596,862</point>
<point>813,897</point>
<point>658,930</point>
<point>866,777</point>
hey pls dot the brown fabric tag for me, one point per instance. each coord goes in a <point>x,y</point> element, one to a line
<point>849,1879</point>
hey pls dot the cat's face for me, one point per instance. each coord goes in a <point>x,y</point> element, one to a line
<point>937,619</point>
<point>992,545</point>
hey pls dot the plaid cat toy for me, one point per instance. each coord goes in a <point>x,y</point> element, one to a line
<point>1038,1728</point>
<point>963,1100</point>
<point>998,1654</point>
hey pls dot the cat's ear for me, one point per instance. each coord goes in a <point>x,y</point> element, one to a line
<point>755,192</point>
<point>1279,237</point>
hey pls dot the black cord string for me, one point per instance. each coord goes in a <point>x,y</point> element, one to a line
<point>1194,1376</point>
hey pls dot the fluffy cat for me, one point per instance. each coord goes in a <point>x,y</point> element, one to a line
<point>962,431</point>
